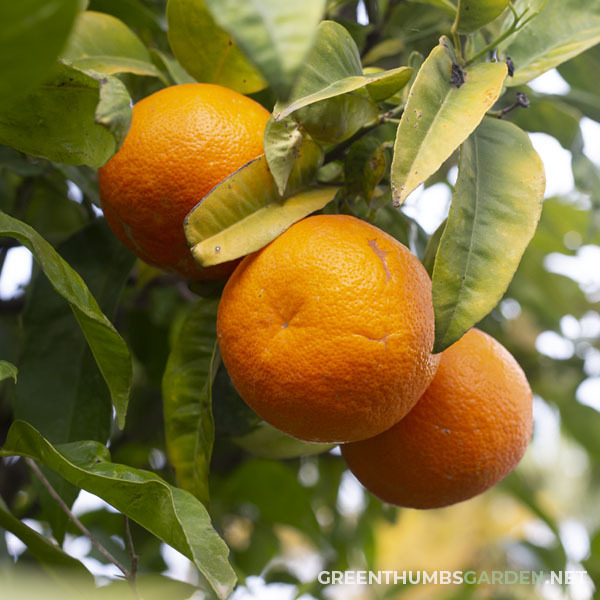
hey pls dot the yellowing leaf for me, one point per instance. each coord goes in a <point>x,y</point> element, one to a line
<point>440,115</point>
<point>245,213</point>
<point>495,209</point>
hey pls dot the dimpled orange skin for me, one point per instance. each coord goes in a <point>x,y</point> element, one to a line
<point>467,432</point>
<point>327,332</point>
<point>183,141</point>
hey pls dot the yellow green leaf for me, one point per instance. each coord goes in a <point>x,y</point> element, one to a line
<point>245,213</point>
<point>473,14</point>
<point>494,213</point>
<point>445,105</point>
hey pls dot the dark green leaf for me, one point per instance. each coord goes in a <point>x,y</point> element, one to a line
<point>276,36</point>
<point>495,208</point>
<point>364,167</point>
<point>32,35</point>
<point>187,398</point>
<point>55,561</point>
<point>439,116</point>
<point>108,348</point>
<point>172,514</point>
<point>57,121</point>
<point>207,52</point>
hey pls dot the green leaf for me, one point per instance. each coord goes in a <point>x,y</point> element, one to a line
<point>61,391</point>
<point>549,115</point>
<point>57,120</point>
<point>187,398</point>
<point>333,68</point>
<point>107,346</point>
<point>114,109</point>
<point>274,489</point>
<point>364,167</point>
<point>562,30</point>
<point>276,36</point>
<point>207,52</point>
<point>432,247</point>
<point>245,212</point>
<point>166,62</point>
<point>171,514</point>
<point>495,208</point>
<point>101,42</point>
<point>50,556</point>
<point>474,14</point>
<point>32,35</point>
<point>402,227</point>
<point>8,370</point>
<point>380,85</point>
<point>439,116</point>
<point>322,100</point>
<point>268,442</point>
<point>576,72</point>
<point>285,144</point>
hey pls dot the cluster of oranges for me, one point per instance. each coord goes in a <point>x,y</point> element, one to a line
<point>327,331</point>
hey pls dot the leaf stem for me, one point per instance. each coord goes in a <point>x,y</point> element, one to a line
<point>515,26</point>
<point>33,466</point>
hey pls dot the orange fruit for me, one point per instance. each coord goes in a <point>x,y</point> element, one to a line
<point>327,331</point>
<point>183,141</point>
<point>467,432</point>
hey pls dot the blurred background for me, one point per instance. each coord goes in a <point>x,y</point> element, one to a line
<point>287,520</point>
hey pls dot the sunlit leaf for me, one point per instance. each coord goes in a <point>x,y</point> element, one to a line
<point>562,30</point>
<point>186,387</point>
<point>495,208</point>
<point>245,213</point>
<point>440,115</point>
<point>276,36</point>
<point>172,514</point>
<point>57,563</point>
<point>8,370</point>
<point>107,346</point>
<point>33,33</point>
<point>207,52</point>
<point>103,43</point>
<point>474,14</point>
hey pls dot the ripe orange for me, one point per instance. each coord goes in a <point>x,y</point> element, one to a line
<point>467,432</point>
<point>327,332</point>
<point>183,141</point>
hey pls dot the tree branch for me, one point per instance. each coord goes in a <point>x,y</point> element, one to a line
<point>127,574</point>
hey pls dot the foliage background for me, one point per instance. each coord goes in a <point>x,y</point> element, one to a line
<point>285,520</point>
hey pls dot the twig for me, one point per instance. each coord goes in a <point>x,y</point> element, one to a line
<point>33,466</point>
<point>521,101</point>
<point>130,548</point>
<point>515,26</point>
